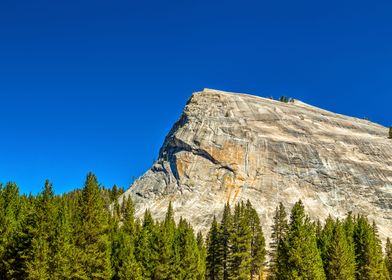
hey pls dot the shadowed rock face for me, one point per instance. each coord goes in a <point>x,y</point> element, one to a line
<point>232,147</point>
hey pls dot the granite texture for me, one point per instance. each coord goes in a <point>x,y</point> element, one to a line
<point>232,147</point>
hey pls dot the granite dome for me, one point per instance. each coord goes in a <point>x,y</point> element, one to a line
<point>232,147</point>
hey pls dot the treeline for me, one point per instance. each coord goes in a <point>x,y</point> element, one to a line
<point>346,249</point>
<point>86,234</point>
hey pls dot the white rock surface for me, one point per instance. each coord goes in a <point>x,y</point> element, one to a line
<point>232,147</point>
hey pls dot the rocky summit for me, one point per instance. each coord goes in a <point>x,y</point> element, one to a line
<point>228,147</point>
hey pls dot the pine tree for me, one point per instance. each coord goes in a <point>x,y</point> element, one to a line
<point>144,252</point>
<point>239,258</point>
<point>92,238</point>
<point>213,261</point>
<point>62,265</point>
<point>11,215</point>
<point>257,243</point>
<point>202,256</point>
<point>302,258</point>
<point>325,238</point>
<point>40,256</point>
<point>124,262</point>
<point>388,257</point>
<point>339,262</point>
<point>369,259</point>
<point>128,216</point>
<point>224,242</point>
<point>279,231</point>
<point>19,253</point>
<point>349,226</point>
<point>188,253</point>
<point>164,247</point>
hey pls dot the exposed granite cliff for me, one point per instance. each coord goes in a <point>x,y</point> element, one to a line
<point>231,147</point>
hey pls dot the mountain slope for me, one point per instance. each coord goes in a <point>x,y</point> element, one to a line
<point>231,147</point>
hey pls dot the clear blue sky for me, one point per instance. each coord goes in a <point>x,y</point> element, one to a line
<point>96,85</point>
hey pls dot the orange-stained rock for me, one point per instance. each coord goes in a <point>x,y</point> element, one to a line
<point>232,147</point>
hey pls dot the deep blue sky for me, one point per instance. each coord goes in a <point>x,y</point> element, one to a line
<point>96,85</point>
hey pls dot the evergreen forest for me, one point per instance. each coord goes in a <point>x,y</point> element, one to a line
<point>88,234</point>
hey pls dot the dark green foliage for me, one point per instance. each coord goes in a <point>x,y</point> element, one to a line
<point>11,214</point>
<point>41,231</point>
<point>339,261</point>
<point>92,237</point>
<point>144,251</point>
<point>301,258</point>
<point>285,99</point>
<point>124,263</point>
<point>390,133</point>
<point>163,241</point>
<point>369,258</point>
<point>239,258</point>
<point>189,255</point>
<point>277,253</point>
<point>325,236</point>
<point>224,241</point>
<point>203,255</point>
<point>236,247</point>
<point>64,250</point>
<point>388,257</point>
<point>89,234</point>
<point>257,242</point>
<point>213,259</point>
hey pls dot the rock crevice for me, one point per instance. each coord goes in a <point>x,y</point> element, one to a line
<point>231,147</point>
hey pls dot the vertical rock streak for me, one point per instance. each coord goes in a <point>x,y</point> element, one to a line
<point>230,147</point>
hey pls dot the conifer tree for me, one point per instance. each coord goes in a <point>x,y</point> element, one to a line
<point>277,253</point>
<point>213,261</point>
<point>339,262</point>
<point>144,251</point>
<point>128,216</point>
<point>188,253</point>
<point>349,225</point>
<point>62,265</point>
<point>257,243</point>
<point>369,259</point>
<point>388,257</point>
<point>42,231</point>
<point>11,215</point>
<point>224,242</point>
<point>325,238</point>
<point>164,247</point>
<point>124,260</point>
<point>123,246</point>
<point>302,257</point>
<point>239,258</point>
<point>202,255</point>
<point>92,237</point>
<point>19,254</point>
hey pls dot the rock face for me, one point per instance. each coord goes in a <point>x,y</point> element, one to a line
<point>232,147</point>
